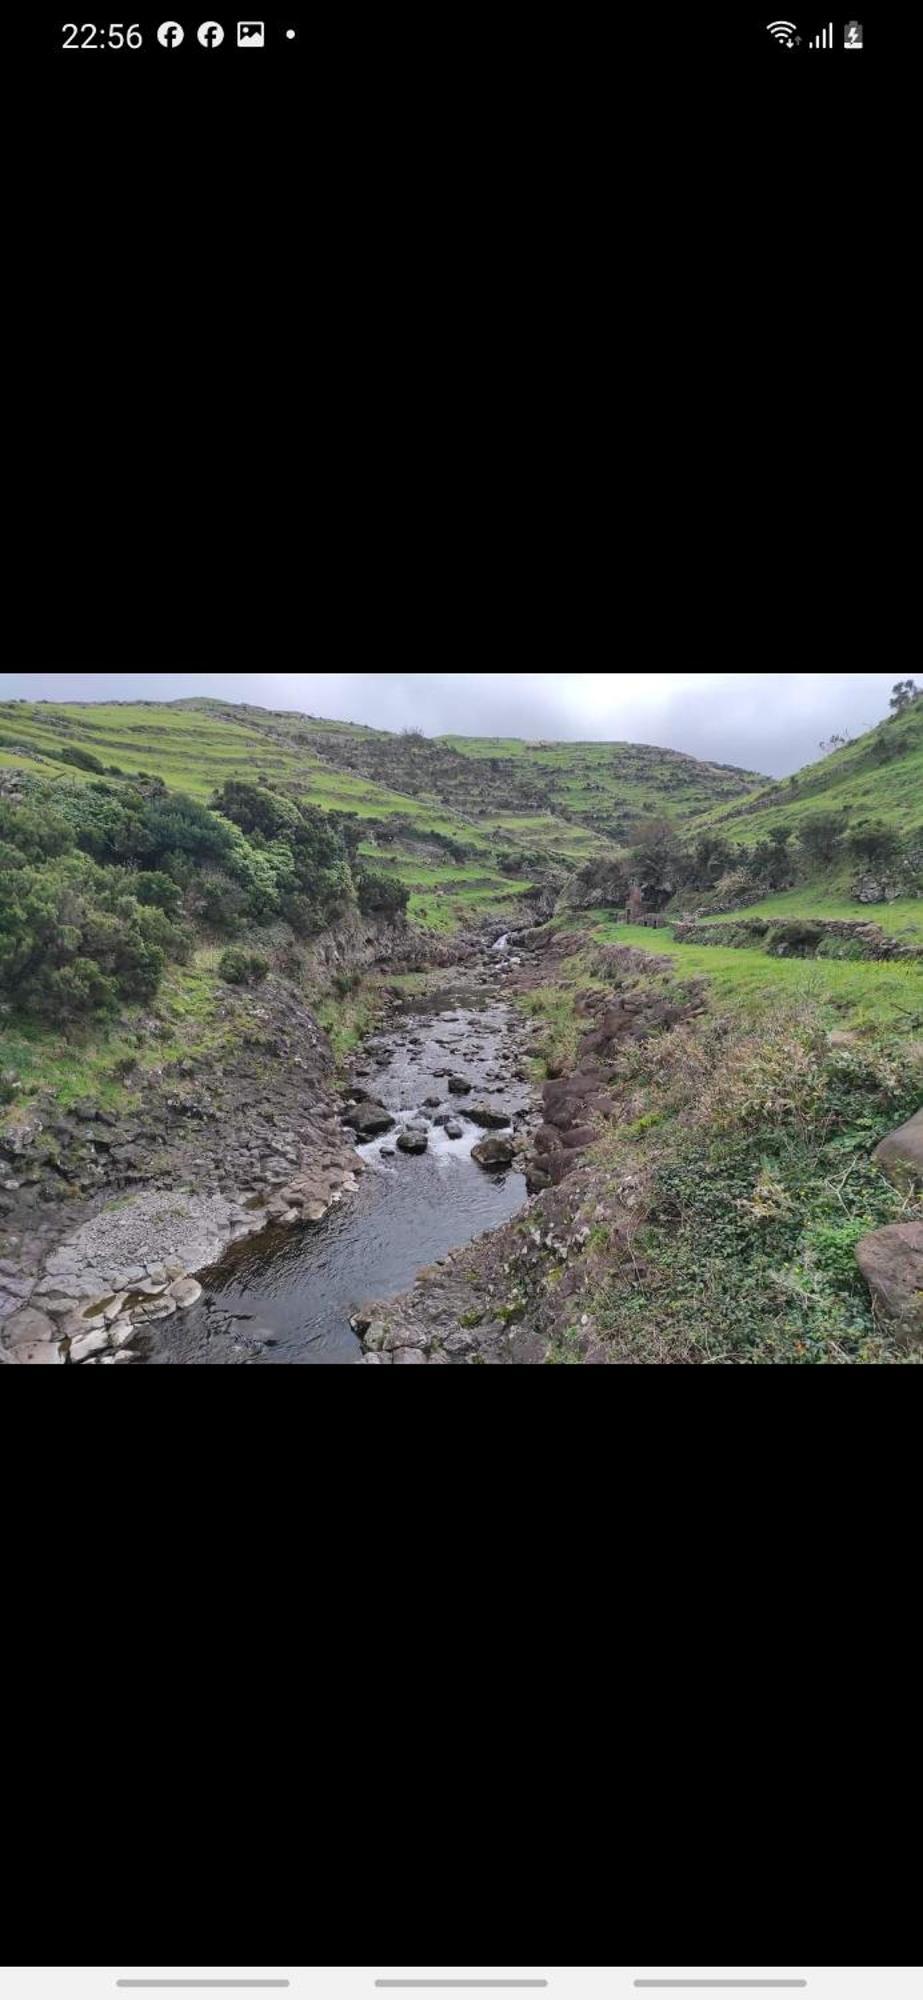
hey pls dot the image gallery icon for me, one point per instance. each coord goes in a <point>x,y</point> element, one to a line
<point>211,34</point>
<point>169,34</point>
<point>251,34</point>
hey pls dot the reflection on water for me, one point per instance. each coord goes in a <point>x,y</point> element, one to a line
<point>296,1287</point>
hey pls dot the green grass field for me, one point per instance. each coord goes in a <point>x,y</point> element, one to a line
<point>903,916</point>
<point>857,994</point>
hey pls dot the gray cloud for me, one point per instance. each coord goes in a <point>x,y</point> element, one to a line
<point>764,722</point>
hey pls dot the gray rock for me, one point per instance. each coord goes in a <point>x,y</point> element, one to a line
<point>368,1119</point>
<point>491,1116</point>
<point>39,1354</point>
<point>891,1262</point>
<point>406,1336</point>
<point>410,1141</point>
<point>493,1153</point>
<point>185,1292</point>
<point>460,1086</point>
<point>407,1355</point>
<point>89,1343</point>
<point>27,1327</point>
<point>454,1129</point>
<point>901,1154</point>
<point>19,1288</point>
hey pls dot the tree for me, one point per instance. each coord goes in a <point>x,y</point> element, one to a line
<point>820,836</point>
<point>903,694</point>
<point>657,862</point>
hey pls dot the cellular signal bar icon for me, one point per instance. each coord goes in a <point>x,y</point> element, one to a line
<point>824,40</point>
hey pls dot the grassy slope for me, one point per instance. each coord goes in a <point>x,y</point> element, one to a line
<point>856,785</point>
<point>611,787</point>
<point>195,746</point>
<point>850,781</point>
<point>851,994</point>
<point>746,1144</point>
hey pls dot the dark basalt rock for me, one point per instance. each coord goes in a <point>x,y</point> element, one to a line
<point>493,1153</point>
<point>367,1119</point>
<point>412,1141</point>
<point>491,1116</point>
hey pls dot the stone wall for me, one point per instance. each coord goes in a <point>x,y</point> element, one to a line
<point>781,936</point>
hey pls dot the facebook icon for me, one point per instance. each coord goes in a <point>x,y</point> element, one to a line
<point>211,34</point>
<point>169,34</point>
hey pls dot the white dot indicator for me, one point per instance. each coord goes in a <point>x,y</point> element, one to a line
<point>289,34</point>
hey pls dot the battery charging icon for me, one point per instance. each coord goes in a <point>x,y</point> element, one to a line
<point>852,35</point>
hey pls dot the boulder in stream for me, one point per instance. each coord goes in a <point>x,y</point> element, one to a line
<point>412,1141</point>
<point>493,1153</point>
<point>368,1119</point>
<point>492,1116</point>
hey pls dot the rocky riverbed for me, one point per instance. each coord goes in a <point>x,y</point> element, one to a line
<point>108,1223</point>
<point>440,1108</point>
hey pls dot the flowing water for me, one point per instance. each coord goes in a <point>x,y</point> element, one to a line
<point>287,1295</point>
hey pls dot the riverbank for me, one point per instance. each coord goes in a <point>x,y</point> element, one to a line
<point>440,1102</point>
<point>218,1117</point>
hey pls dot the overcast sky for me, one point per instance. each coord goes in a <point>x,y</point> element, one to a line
<point>764,722</point>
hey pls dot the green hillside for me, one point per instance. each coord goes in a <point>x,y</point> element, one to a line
<point>456,869</point>
<point>611,788</point>
<point>880,775</point>
<point>468,826</point>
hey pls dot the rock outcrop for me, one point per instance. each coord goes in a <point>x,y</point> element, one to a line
<point>900,1155</point>
<point>891,1262</point>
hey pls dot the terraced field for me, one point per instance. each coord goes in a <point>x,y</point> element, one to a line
<point>880,775</point>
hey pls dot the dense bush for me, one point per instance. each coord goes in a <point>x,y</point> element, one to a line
<point>243,968</point>
<point>819,836</point>
<point>305,874</point>
<point>83,760</point>
<point>36,832</point>
<point>74,942</point>
<point>379,894</point>
<point>101,883</point>
<point>874,841</point>
<point>799,934</point>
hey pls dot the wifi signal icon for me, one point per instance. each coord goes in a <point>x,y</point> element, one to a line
<point>783,31</point>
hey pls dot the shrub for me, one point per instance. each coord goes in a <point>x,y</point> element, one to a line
<point>157,892</point>
<point>38,833</point>
<point>243,968</point>
<point>819,836</point>
<point>842,947</point>
<point>381,894</point>
<point>83,760</point>
<point>178,825</point>
<point>255,809</point>
<point>798,935</point>
<point>213,900</point>
<point>874,841</point>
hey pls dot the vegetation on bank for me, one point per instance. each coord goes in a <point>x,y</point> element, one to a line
<point>727,1197</point>
<point>755,1140</point>
<point>102,886</point>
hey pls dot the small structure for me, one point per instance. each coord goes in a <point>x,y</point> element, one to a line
<point>635,909</point>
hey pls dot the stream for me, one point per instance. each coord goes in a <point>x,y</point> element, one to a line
<point>287,1294</point>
